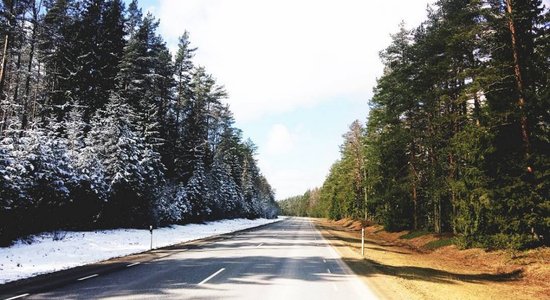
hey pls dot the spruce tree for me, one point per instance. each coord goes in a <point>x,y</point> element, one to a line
<point>132,171</point>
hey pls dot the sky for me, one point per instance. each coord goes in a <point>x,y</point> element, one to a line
<point>297,72</point>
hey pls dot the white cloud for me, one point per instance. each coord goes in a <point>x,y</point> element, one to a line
<point>292,160</point>
<point>293,182</point>
<point>280,140</point>
<point>280,55</point>
<point>289,181</point>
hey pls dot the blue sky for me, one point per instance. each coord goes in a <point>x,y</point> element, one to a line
<point>297,147</point>
<point>297,72</point>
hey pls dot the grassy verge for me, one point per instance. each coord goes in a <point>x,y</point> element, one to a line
<point>414,234</point>
<point>439,243</point>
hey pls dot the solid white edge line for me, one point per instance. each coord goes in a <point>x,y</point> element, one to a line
<point>18,296</point>
<point>134,264</point>
<point>211,276</point>
<point>88,277</point>
<point>358,284</point>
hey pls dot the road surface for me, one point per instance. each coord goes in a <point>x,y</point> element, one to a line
<point>285,260</point>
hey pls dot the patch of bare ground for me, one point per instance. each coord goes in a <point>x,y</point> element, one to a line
<point>402,265</point>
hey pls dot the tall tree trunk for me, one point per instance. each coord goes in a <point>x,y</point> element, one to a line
<point>415,199</point>
<point>17,77</point>
<point>521,94</point>
<point>477,109</point>
<point>5,51</point>
<point>433,161</point>
<point>3,64</point>
<point>35,96</point>
<point>25,113</point>
<point>452,177</point>
<point>3,118</point>
<point>412,164</point>
<point>519,82</point>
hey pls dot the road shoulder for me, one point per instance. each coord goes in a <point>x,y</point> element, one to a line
<point>399,272</point>
<point>53,280</point>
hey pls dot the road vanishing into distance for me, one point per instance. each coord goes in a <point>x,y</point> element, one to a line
<point>285,260</point>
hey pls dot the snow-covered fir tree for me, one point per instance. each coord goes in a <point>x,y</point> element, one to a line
<point>101,127</point>
<point>172,205</point>
<point>132,169</point>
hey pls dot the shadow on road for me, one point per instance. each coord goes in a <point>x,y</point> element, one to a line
<point>181,268</point>
<point>183,275</point>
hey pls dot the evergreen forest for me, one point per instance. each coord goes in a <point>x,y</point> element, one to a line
<point>102,127</point>
<point>457,139</point>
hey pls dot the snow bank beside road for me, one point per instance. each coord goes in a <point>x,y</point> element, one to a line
<point>47,255</point>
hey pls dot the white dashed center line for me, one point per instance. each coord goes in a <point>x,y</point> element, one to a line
<point>211,276</point>
<point>18,296</point>
<point>88,277</point>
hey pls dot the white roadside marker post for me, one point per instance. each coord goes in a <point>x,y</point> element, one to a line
<point>151,230</point>
<point>363,241</point>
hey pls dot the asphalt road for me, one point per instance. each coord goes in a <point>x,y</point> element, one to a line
<point>285,260</point>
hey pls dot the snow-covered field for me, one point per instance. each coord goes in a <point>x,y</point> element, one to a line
<point>47,255</point>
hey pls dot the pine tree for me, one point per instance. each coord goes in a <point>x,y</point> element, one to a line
<point>183,70</point>
<point>134,18</point>
<point>16,54</point>
<point>451,143</point>
<point>175,119</point>
<point>33,75</point>
<point>517,112</point>
<point>92,107</point>
<point>56,43</point>
<point>145,80</point>
<point>198,112</point>
<point>97,50</point>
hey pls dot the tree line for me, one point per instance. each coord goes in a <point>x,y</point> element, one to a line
<point>457,137</point>
<point>101,127</point>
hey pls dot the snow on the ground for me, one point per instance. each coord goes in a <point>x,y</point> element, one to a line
<point>45,255</point>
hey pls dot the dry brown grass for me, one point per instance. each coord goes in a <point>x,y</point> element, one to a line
<point>406,267</point>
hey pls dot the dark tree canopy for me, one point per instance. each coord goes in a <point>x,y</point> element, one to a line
<point>457,135</point>
<point>101,127</point>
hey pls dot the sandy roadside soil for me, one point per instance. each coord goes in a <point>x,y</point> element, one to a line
<point>397,269</point>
